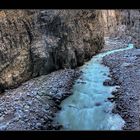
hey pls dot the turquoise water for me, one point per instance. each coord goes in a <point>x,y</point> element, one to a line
<point>88,108</point>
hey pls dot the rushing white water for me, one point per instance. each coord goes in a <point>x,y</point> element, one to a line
<point>88,108</point>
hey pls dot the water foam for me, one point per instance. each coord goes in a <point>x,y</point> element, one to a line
<point>88,108</point>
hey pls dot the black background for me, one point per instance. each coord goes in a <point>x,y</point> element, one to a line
<point>70,135</point>
<point>69,4</point>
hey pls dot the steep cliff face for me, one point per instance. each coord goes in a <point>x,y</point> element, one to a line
<point>124,24</point>
<point>37,42</point>
<point>16,35</point>
<point>71,35</point>
<point>110,21</point>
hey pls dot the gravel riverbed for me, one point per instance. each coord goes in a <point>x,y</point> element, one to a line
<point>125,72</point>
<point>33,105</point>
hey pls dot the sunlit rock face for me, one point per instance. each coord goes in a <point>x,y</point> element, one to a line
<point>16,36</point>
<point>124,24</point>
<point>37,42</point>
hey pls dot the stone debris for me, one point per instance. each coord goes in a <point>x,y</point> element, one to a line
<point>125,71</point>
<point>32,106</point>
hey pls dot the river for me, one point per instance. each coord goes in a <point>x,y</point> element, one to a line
<point>88,107</point>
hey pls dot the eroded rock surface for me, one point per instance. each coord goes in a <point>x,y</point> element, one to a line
<point>37,42</point>
<point>123,24</point>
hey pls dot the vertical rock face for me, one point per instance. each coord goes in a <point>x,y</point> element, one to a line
<point>123,24</point>
<point>37,42</point>
<point>16,35</point>
<point>72,35</point>
<point>110,20</point>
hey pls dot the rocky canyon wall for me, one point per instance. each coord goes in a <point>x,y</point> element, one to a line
<point>37,42</point>
<point>124,24</point>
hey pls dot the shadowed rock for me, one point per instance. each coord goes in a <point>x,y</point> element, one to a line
<point>2,88</point>
<point>37,42</point>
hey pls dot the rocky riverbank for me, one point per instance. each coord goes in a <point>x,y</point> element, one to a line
<point>32,106</point>
<point>39,42</point>
<point>35,43</point>
<point>124,71</point>
<point>88,108</point>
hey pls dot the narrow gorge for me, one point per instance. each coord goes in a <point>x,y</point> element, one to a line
<point>69,69</point>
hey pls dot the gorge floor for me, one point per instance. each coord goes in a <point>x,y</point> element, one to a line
<point>88,108</point>
<point>33,105</point>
